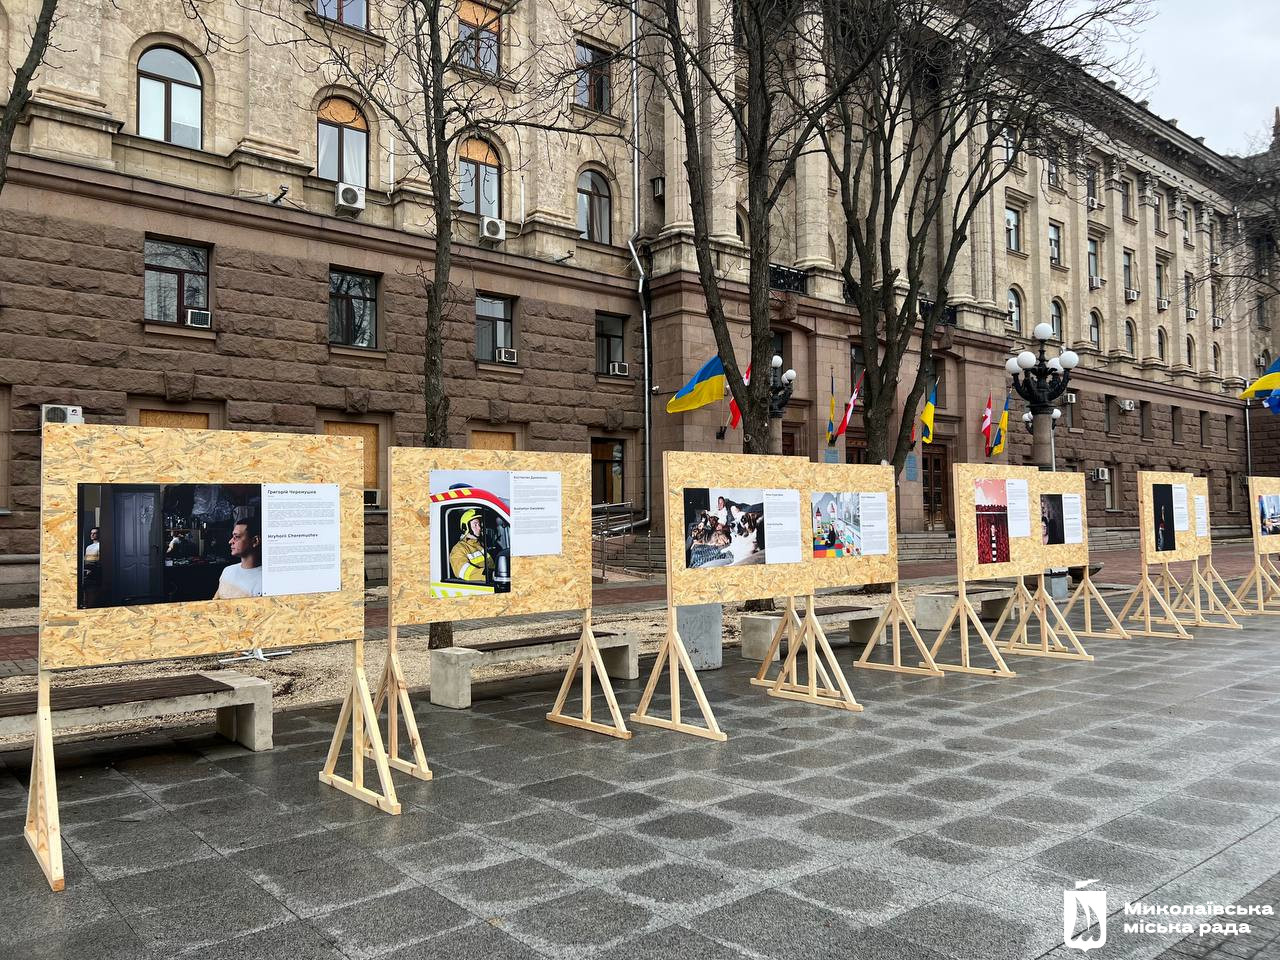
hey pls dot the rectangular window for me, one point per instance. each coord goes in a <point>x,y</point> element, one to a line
<point>5,445</point>
<point>1013,228</point>
<point>1160,271</point>
<point>1126,197</point>
<point>592,88</point>
<point>610,337</point>
<point>1053,171</point>
<point>1231,492</point>
<point>1186,225</point>
<point>1108,413</point>
<point>1177,425</point>
<point>1009,146</point>
<point>479,38</point>
<point>1230,424</point>
<point>1095,260</point>
<point>1055,244</point>
<point>493,326</point>
<point>607,459</point>
<point>1188,290</point>
<point>350,13</point>
<point>1213,299</point>
<point>1205,428</point>
<point>1146,419</point>
<point>1091,183</point>
<point>1157,209</point>
<point>781,345</point>
<point>1068,414</point>
<point>353,309</point>
<point>1128,270</point>
<point>175,281</point>
<point>1111,488</point>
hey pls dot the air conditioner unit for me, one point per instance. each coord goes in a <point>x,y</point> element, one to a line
<point>1192,313</point>
<point>1162,304</point>
<point>348,198</point>
<point>1093,203</point>
<point>60,413</point>
<point>493,228</point>
<point>1131,294</point>
<point>1215,260</point>
<point>618,369</point>
<point>1128,406</point>
<point>1260,361</point>
<point>373,498</point>
<point>1095,283</point>
<point>1069,398</point>
<point>1101,474</point>
<point>199,318</point>
<point>1218,323</point>
<point>505,355</point>
<point>659,185</point>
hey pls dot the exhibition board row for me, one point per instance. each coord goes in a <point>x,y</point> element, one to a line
<point>161,543</point>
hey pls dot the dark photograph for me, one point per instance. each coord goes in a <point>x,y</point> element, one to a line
<point>1051,526</point>
<point>1162,517</point>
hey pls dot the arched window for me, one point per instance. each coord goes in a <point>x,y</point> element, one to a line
<point>740,227</point>
<point>342,142</point>
<point>1095,328</point>
<point>1130,338</point>
<point>1055,318</point>
<point>1162,345</point>
<point>1191,350</point>
<point>1014,320</point>
<point>480,178</point>
<point>1217,359</point>
<point>169,98</point>
<point>595,208</point>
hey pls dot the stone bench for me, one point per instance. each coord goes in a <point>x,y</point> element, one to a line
<point>932,609</point>
<point>757,629</point>
<point>242,704</point>
<point>451,667</point>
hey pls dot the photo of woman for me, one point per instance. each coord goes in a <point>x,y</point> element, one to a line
<point>723,528</point>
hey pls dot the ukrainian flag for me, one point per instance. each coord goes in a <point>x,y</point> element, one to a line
<point>707,386</point>
<point>926,418</point>
<point>1002,429</point>
<point>1266,385</point>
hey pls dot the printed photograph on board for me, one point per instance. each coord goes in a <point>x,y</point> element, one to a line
<point>1162,517</point>
<point>837,524</point>
<point>991,503</point>
<point>1269,515</point>
<point>145,543</point>
<point>723,527</point>
<point>470,532</point>
<point>1052,529</point>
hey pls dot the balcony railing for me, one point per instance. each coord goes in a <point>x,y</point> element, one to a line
<point>788,279</point>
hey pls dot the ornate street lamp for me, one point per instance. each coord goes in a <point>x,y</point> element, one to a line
<point>1040,381</point>
<point>781,386</point>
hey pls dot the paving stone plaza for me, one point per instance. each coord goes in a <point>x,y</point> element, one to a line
<point>943,823</point>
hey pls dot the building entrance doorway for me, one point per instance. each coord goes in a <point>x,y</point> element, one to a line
<point>935,484</point>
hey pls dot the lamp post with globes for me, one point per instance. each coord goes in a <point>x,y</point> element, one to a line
<point>780,387</point>
<point>1040,381</point>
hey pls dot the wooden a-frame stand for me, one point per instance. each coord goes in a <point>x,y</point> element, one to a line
<point>895,616</point>
<point>1040,606</point>
<point>1148,594</point>
<point>822,666</point>
<point>675,659</point>
<point>1087,592</point>
<point>1201,600</point>
<point>1260,590</point>
<point>43,830</point>
<point>393,691</point>
<point>963,616</point>
<point>586,656</point>
<point>366,742</point>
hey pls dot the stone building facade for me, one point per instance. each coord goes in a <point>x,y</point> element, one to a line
<point>104,193</point>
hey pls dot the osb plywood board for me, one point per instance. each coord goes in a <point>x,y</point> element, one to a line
<point>97,453</point>
<point>1186,543</point>
<point>1025,553</point>
<point>539,584</point>
<point>1199,487</point>
<point>745,581</point>
<point>1263,487</point>
<point>853,570</point>
<point>1047,483</point>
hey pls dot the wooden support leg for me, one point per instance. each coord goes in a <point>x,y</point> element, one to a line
<point>587,657</point>
<point>1087,591</point>
<point>43,829</point>
<point>895,614</point>
<point>1260,590</point>
<point>393,690</point>
<point>1216,583</point>
<point>790,628</point>
<point>1054,628</point>
<point>366,742</point>
<point>1144,596</point>
<point>965,615</point>
<point>821,664</point>
<point>673,657</point>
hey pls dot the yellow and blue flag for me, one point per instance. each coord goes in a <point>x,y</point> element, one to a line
<point>1002,430</point>
<point>1266,386</point>
<point>707,386</point>
<point>926,418</point>
<point>831,415</point>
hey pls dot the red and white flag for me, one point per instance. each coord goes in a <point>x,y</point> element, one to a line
<point>986,424</point>
<point>848,409</point>
<point>735,415</point>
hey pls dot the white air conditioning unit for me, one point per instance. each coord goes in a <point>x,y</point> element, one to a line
<point>1093,203</point>
<point>1095,283</point>
<point>1069,398</point>
<point>1218,323</point>
<point>618,369</point>
<point>199,318</point>
<point>493,228</point>
<point>505,355</point>
<point>1192,313</point>
<point>1260,361</point>
<point>1162,304</point>
<point>1215,260</point>
<point>1101,474</point>
<point>373,498</point>
<point>1128,406</point>
<point>60,413</point>
<point>1131,294</point>
<point>348,198</point>
<point>659,185</point>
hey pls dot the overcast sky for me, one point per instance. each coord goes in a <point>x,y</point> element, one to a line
<point>1213,68</point>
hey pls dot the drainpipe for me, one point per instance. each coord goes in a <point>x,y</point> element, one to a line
<point>1248,439</point>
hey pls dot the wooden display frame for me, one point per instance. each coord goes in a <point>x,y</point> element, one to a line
<point>1200,598</point>
<point>825,684</point>
<point>72,638</point>
<point>1259,592</point>
<point>540,584</point>
<point>1152,604</point>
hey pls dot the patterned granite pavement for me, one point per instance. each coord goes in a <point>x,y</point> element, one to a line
<point>943,823</point>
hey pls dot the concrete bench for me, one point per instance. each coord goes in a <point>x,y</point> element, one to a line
<point>757,629</point>
<point>932,609</point>
<point>242,704</point>
<point>451,667</point>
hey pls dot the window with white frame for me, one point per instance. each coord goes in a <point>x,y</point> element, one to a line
<point>1013,228</point>
<point>1014,318</point>
<point>1055,243</point>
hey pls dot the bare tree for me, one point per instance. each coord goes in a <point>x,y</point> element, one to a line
<point>20,91</point>
<point>954,93</point>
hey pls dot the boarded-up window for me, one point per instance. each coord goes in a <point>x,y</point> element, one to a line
<point>368,432</point>
<point>182,419</point>
<point>492,440</point>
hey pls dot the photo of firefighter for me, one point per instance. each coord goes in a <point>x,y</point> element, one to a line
<point>169,543</point>
<point>723,527</point>
<point>1162,517</point>
<point>1052,530</point>
<point>1269,515</point>
<point>470,532</point>
<point>837,524</point>
<point>992,508</point>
